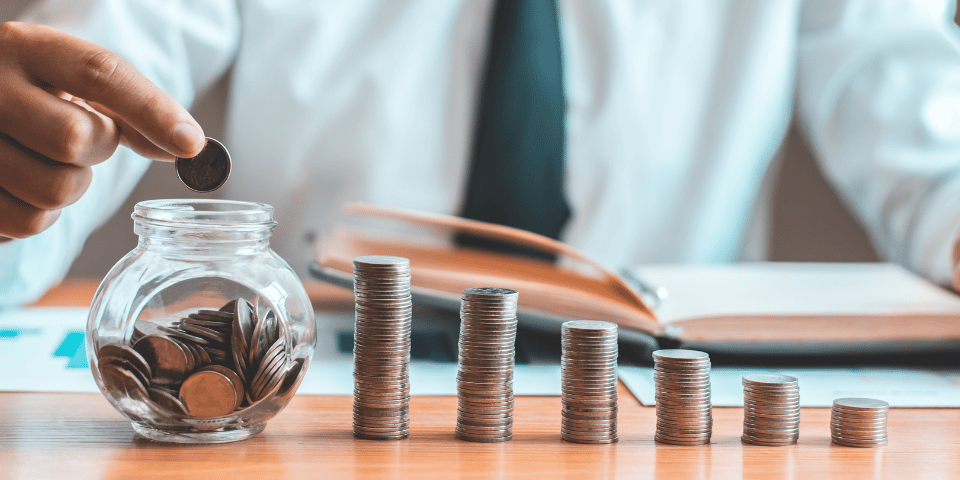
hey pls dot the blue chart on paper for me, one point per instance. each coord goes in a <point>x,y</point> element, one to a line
<point>16,332</point>
<point>70,347</point>
<point>43,350</point>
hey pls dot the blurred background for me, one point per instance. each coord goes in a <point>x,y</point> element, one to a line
<point>808,220</point>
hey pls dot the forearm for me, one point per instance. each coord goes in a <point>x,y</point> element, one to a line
<point>874,95</point>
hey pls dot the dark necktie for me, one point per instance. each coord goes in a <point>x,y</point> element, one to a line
<point>516,176</point>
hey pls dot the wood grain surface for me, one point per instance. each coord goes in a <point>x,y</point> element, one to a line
<point>82,436</point>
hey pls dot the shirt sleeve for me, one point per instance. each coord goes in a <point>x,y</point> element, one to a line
<point>879,100</point>
<point>183,46</point>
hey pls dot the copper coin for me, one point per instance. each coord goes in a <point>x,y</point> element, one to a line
<point>208,170</point>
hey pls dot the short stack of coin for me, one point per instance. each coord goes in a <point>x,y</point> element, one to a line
<point>588,368</point>
<point>684,409</point>
<point>488,330</point>
<point>206,365</point>
<point>381,348</point>
<point>859,422</point>
<point>771,409</point>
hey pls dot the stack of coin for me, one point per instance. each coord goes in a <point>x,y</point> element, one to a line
<point>684,411</point>
<point>381,348</point>
<point>488,329</point>
<point>771,409</point>
<point>588,368</point>
<point>859,422</point>
<point>208,364</point>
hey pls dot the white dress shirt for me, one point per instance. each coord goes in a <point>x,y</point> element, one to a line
<point>675,109</point>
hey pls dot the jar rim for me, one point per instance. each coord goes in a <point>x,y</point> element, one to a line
<point>205,213</point>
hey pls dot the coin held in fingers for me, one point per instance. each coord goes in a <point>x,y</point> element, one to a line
<point>207,171</point>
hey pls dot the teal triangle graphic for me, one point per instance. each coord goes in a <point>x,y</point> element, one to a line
<point>72,348</point>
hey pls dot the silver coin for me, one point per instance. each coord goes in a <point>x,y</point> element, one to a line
<point>846,432</point>
<point>483,293</point>
<point>758,420</point>
<point>845,420</point>
<point>208,170</point>
<point>680,355</point>
<point>772,431</point>
<point>698,440</point>
<point>850,443</point>
<point>376,262</point>
<point>769,380</point>
<point>482,438</point>
<point>691,427</point>
<point>783,400</point>
<point>872,437</point>
<point>771,407</point>
<point>492,415</point>
<point>861,404</point>
<point>388,430</point>
<point>578,439</point>
<point>768,442</point>
<point>595,431</point>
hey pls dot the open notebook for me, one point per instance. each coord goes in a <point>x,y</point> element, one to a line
<point>748,307</point>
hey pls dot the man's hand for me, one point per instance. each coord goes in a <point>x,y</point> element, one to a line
<point>65,105</point>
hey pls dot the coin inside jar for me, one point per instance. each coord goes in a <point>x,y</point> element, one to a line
<point>209,393</point>
<point>207,171</point>
<point>169,359</point>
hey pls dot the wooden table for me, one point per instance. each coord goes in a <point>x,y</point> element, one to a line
<point>82,436</point>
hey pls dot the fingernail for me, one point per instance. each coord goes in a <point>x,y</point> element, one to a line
<point>187,137</point>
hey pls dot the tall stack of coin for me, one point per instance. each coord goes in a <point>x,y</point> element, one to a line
<point>859,422</point>
<point>488,330</point>
<point>381,349</point>
<point>771,409</point>
<point>684,411</point>
<point>588,368</point>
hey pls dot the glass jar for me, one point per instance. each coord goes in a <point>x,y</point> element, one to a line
<point>202,333</point>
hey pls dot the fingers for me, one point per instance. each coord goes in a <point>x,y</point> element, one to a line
<point>98,75</point>
<point>33,189</point>
<point>56,128</point>
<point>21,220</point>
<point>39,182</point>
